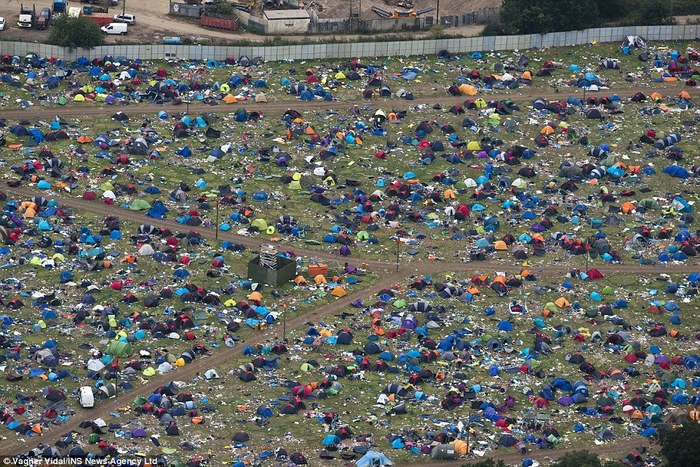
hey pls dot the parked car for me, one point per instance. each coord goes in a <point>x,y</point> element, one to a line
<point>125,18</point>
<point>115,28</point>
<point>2,23</point>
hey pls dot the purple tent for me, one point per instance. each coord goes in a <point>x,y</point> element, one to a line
<point>344,250</point>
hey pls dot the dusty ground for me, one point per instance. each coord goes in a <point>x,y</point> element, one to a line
<point>153,24</point>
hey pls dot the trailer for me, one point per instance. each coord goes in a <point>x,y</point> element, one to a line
<point>210,20</point>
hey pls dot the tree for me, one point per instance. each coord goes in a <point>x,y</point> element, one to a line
<point>74,32</point>
<point>681,444</point>
<point>543,16</point>
<point>579,459</point>
<point>221,7</point>
<point>611,9</point>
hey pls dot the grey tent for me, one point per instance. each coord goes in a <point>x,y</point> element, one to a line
<point>634,41</point>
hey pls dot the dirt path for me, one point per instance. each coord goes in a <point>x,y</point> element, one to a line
<point>446,101</point>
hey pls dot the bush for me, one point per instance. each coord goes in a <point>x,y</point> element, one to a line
<point>493,29</point>
<point>221,7</point>
<point>681,444</point>
<point>75,32</point>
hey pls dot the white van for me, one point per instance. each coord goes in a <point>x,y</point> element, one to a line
<point>87,398</point>
<point>115,28</point>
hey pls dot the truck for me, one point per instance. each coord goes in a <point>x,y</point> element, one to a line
<point>60,7</point>
<point>44,19</point>
<point>98,15</point>
<point>26,17</point>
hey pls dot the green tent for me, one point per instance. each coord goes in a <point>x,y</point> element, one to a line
<point>260,224</point>
<point>118,349</point>
<point>306,367</point>
<point>62,101</point>
<point>106,186</point>
<point>140,205</point>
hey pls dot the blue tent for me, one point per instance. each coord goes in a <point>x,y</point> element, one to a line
<point>676,171</point>
<point>331,440</point>
<point>373,459</point>
<point>505,325</point>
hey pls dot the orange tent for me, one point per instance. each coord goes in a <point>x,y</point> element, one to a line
<point>230,99</point>
<point>84,139</point>
<point>684,95</point>
<point>561,302</point>
<point>299,280</point>
<point>500,245</point>
<point>319,280</point>
<point>338,292</point>
<point>627,207</point>
<point>655,96</point>
<point>526,75</point>
<point>467,89</point>
<point>501,279</point>
<point>257,296</point>
<point>547,130</point>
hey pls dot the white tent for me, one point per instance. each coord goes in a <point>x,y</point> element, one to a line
<point>146,250</point>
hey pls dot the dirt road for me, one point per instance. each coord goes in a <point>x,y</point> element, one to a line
<point>524,95</point>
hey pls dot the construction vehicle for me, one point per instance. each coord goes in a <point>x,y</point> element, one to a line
<point>26,17</point>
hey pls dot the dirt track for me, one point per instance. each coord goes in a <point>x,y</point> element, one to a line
<point>446,101</point>
<point>389,276</point>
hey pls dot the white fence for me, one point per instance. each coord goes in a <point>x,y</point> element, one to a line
<point>360,49</point>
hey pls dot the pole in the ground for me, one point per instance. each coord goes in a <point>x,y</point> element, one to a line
<point>216,234</point>
<point>398,252</point>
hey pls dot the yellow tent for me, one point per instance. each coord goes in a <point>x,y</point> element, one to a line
<point>467,89</point>
<point>299,280</point>
<point>561,302</point>
<point>338,291</point>
<point>79,98</point>
<point>225,87</point>
<point>340,75</point>
<point>474,146</point>
<point>257,296</point>
<point>461,447</point>
<point>180,362</point>
<point>319,279</point>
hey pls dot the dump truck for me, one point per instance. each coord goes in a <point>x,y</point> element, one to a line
<point>26,17</point>
<point>98,15</point>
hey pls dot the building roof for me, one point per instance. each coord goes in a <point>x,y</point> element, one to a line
<point>286,14</point>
